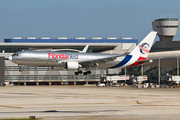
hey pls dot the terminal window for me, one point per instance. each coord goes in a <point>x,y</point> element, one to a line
<point>167,26</point>
<point>11,50</point>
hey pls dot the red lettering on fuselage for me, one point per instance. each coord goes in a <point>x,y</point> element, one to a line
<point>57,56</point>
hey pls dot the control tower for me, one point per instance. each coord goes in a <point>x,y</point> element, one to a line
<point>166,28</point>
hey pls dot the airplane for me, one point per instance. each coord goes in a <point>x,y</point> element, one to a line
<point>82,62</point>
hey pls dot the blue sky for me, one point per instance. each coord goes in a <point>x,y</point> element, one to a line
<point>83,18</point>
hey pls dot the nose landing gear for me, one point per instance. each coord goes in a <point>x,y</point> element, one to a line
<point>20,68</point>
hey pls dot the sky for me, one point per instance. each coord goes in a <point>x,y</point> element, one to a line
<point>83,18</point>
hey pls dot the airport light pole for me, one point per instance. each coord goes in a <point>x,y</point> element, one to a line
<point>125,71</point>
<point>142,69</point>
<point>177,65</point>
<point>159,78</point>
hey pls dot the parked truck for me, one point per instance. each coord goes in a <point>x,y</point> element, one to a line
<point>175,79</point>
<point>114,79</point>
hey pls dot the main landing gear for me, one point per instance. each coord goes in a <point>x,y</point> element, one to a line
<point>84,73</point>
<point>20,68</point>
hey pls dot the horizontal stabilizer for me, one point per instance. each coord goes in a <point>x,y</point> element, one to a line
<point>150,61</point>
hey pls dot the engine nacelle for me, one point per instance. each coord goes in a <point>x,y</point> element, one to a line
<point>72,65</point>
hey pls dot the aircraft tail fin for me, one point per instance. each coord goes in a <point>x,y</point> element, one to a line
<point>143,48</point>
<point>139,54</point>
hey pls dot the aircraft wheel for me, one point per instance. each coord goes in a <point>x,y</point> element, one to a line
<point>80,72</point>
<point>76,73</point>
<point>85,73</point>
<point>88,72</point>
<point>20,69</point>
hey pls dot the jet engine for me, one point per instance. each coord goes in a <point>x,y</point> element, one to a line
<point>72,65</point>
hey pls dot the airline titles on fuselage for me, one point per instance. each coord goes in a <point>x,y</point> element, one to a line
<point>62,56</point>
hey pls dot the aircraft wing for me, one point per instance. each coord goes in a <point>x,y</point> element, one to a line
<point>92,62</point>
<point>97,61</point>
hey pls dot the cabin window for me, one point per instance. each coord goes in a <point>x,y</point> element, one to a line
<point>15,55</point>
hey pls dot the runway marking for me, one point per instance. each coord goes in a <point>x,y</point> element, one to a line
<point>9,106</point>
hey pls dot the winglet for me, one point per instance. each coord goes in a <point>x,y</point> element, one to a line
<point>85,49</point>
<point>130,49</point>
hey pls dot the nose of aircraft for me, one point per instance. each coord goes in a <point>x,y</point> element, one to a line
<point>10,58</point>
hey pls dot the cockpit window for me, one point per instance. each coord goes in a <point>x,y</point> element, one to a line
<point>15,55</point>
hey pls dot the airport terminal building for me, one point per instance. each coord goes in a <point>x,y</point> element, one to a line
<point>45,74</point>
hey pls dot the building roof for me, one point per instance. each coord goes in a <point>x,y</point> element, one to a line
<point>167,19</point>
<point>71,41</point>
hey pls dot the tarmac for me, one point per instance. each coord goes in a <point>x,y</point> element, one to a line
<point>89,103</point>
